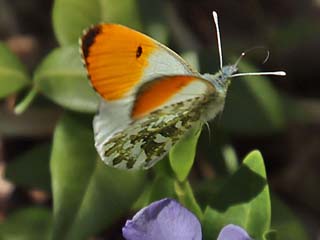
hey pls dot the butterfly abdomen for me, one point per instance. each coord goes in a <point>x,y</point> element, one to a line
<point>214,106</point>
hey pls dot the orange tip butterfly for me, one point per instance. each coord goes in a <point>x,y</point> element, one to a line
<point>150,97</point>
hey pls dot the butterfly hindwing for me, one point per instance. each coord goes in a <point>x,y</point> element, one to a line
<point>149,139</point>
<point>167,90</point>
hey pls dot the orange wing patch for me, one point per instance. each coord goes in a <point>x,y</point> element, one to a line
<point>156,93</point>
<point>115,57</point>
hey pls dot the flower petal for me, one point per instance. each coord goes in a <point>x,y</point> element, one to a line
<point>233,232</point>
<point>163,220</point>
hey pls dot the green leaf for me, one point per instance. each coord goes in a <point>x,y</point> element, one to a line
<point>71,17</point>
<point>27,224</point>
<point>230,158</point>
<point>271,235</point>
<point>13,75</point>
<point>244,200</point>
<point>31,169</point>
<point>288,226</point>
<point>37,122</point>
<point>88,196</point>
<point>144,198</point>
<point>26,102</point>
<point>73,160</point>
<point>163,167</point>
<point>183,153</point>
<point>253,105</point>
<point>186,197</point>
<point>288,35</point>
<point>153,18</point>
<point>162,187</point>
<point>122,12</point>
<point>62,78</point>
<point>110,194</point>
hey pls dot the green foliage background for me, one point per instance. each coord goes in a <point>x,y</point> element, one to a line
<point>91,199</point>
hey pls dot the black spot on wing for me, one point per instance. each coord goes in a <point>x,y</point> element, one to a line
<point>88,39</point>
<point>139,52</point>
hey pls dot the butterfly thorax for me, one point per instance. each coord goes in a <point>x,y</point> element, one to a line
<point>221,79</point>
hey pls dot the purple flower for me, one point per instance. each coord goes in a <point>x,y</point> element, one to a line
<point>163,220</point>
<point>233,232</point>
<point>169,220</point>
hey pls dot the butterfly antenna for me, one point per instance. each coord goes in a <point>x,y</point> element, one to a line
<point>240,58</point>
<point>276,73</point>
<point>251,49</point>
<point>267,57</point>
<point>215,18</point>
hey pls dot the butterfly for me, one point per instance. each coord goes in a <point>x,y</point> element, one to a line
<point>150,97</point>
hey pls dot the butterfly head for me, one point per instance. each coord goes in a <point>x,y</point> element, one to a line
<point>221,80</point>
<point>228,71</point>
<point>224,75</point>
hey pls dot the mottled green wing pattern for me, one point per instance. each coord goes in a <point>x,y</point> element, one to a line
<point>149,139</point>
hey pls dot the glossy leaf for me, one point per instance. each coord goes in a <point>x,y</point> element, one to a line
<point>36,122</point>
<point>27,224</point>
<point>153,18</point>
<point>162,187</point>
<point>287,36</point>
<point>183,153</point>
<point>31,169</point>
<point>88,196</point>
<point>253,105</point>
<point>71,17</point>
<point>230,158</point>
<point>163,167</point>
<point>72,163</point>
<point>26,102</point>
<point>244,200</point>
<point>271,235</point>
<point>144,198</point>
<point>111,193</point>
<point>63,79</point>
<point>186,197</point>
<point>122,12</point>
<point>13,75</point>
<point>285,222</point>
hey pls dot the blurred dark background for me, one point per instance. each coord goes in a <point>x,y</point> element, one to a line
<point>289,29</point>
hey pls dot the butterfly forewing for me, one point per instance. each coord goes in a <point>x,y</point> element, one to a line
<point>118,59</point>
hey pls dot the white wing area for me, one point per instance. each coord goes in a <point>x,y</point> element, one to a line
<point>110,119</point>
<point>114,116</point>
<point>166,62</point>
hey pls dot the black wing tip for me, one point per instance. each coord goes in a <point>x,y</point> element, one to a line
<point>88,39</point>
